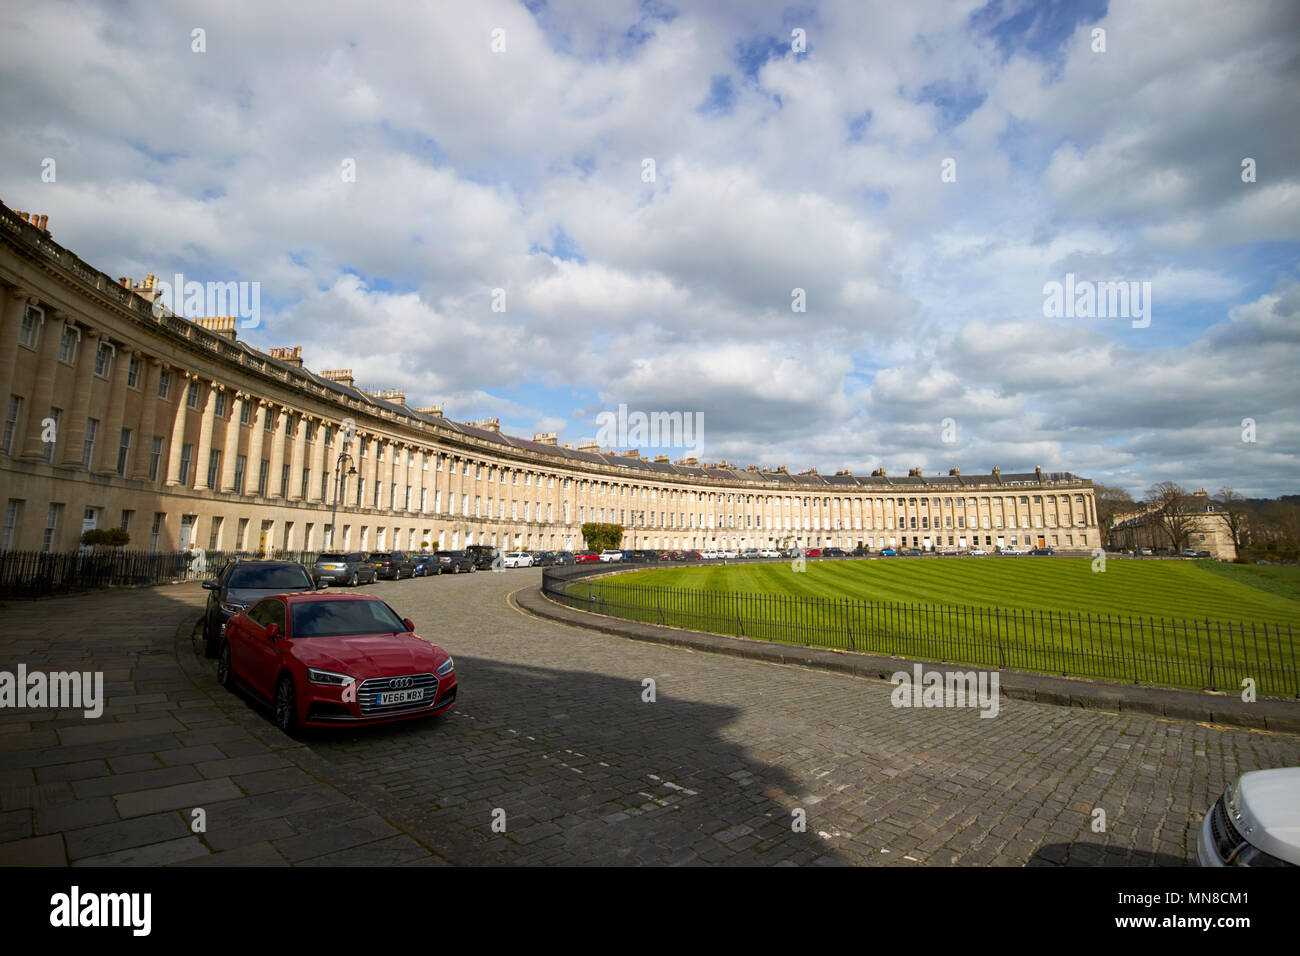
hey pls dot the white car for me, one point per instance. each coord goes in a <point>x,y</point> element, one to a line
<point>518,559</point>
<point>611,555</point>
<point>1013,551</point>
<point>709,555</point>
<point>728,554</point>
<point>1255,823</point>
<point>769,553</point>
<point>978,551</point>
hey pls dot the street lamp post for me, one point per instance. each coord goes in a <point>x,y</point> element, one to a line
<point>339,476</point>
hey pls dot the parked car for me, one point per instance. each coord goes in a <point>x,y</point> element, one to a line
<point>563,558</point>
<point>543,559</point>
<point>709,554</point>
<point>813,553</point>
<point>1042,552</point>
<point>1255,823</point>
<point>483,554</point>
<point>1013,552</point>
<point>834,553</point>
<point>518,559</point>
<point>610,554</point>
<point>978,552</point>
<point>749,553</point>
<point>243,583</point>
<point>393,565</point>
<point>950,551</point>
<point>1190,553</point>
<point>913,553</point>
<point>769,553</point>
<point>330,659</point>
<point>425,565</point>
<point>728,553</point>
<point>454,562</point>
<point>350,568</point>
<point>1203,554</point>
<point>690,556</point>
<point>888,553</point>
<point>587,557</point>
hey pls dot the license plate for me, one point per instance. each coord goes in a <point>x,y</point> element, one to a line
<point>399,697</point>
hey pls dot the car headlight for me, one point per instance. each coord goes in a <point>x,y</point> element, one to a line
<point>231,608</point>
<point>446,667</point>
<point>328,678</point>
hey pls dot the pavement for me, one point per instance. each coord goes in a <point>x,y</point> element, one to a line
<point>556,754</point>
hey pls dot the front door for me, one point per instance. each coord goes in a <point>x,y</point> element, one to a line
<point>187,531</point>
<point>89,522</point>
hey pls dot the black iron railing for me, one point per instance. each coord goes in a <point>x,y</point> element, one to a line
<point>1203,654</point>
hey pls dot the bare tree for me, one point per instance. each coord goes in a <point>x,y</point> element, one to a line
<point>1236,513</point>
<point>1169,513</point>
<point>1110,502</point>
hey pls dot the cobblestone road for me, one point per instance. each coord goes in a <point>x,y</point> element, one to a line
<point>552,734</point>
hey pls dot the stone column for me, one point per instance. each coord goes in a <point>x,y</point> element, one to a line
<point>181,382</point>
<point>296,490</point>
<point>398,491</point>
<point>74,426</point>
<point>206,427</point>
<point>148,413</point>
<point>106,453</point>
<point>417,486</point>
<point>256,438</point>
<point>12,307</point>
<point>278,442</point>
<point>318,466</point>
<point>47,357</point>
<point>230,450</point>
<point>371,471</point>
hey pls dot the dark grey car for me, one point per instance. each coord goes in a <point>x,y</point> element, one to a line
<point>242,584</point>
<point>454,562</point>
<point>338,567</point>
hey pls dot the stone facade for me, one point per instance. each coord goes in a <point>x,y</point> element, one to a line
<point>117,416</point>
<point>1208,528</point>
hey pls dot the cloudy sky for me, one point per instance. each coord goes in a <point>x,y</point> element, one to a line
<point>650,182</point>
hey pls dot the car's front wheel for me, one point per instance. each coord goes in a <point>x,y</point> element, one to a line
<point>286,705</point>
<point>210,637</point>
<point>225,676</point>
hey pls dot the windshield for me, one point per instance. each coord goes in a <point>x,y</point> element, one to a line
<point>326,558</point>
<point>276,578</point>
<point>344,618</point>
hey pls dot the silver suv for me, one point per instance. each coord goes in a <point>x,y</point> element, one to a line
<point>1255,823</point>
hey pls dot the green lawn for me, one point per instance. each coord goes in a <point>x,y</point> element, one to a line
<point>1182,623</point>
<point>1170,589</point>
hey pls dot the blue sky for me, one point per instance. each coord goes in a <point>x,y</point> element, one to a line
<point>774,170</point>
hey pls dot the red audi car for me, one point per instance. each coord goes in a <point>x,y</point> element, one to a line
<point>329,659</point>
<point>586,557</point>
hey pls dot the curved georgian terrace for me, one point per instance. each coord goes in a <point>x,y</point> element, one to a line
<point>121,414</point>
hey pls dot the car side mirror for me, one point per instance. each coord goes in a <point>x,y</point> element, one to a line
<point>212,584</point>
<point>272,631</point>
<point>410,625</point>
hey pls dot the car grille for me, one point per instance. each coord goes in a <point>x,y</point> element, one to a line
<point>1227,840</point>
<point>369,689</point>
